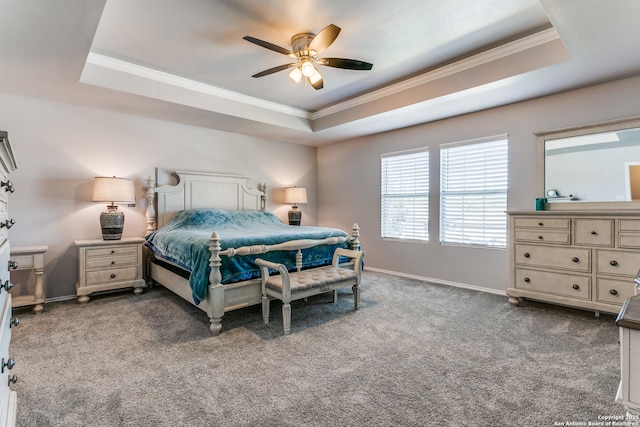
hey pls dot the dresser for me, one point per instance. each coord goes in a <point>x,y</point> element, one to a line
<point>580,259</point>
<point>109,264</point>
<point>8,400</point>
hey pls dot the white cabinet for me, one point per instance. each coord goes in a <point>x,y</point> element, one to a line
<point>7,396</point>
<point>628,322</point>
<point>580,259</point>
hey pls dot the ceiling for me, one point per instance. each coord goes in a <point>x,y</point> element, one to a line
<point>186,61</point>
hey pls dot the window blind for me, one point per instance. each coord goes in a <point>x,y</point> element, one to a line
<point>473,193</point>
<point>405,195</point>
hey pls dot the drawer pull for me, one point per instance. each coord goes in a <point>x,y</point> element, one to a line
<point>8,364</point>
<point>8,223</point>
<point>113,263</point>
<point>594,233</point>
<point>8,185</point>
<point>113,275</point>
<point>576,286</point>
<point>613,292</point>
<point>575,259</point>
<point>13,380</point>
<point>14,322</point>
<point>113,251</point>
<point>527,280</point>
<point>7,285</point>
<point>527,255</point>
<point>13,265</point>
<point>541,237</point>
<point>613,262</point>
<point>541,224</point>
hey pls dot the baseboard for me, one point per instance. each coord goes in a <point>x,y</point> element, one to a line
<point>439,281</point>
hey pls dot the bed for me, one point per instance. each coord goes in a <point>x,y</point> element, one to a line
<point>227,226</point>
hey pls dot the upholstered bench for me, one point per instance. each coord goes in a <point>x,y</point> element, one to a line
<point>291,286</point>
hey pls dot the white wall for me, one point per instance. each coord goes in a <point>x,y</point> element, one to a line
<point>349,177</point>
<point>59,148</point>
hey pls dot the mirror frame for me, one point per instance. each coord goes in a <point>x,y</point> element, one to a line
<point>608,126</point>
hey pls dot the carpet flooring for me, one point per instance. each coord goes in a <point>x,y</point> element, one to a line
<point>415,354</point>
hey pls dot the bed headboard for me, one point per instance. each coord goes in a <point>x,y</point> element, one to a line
<point>202,190</point>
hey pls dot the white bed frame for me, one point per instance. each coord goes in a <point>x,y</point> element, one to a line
<point>222,191</point>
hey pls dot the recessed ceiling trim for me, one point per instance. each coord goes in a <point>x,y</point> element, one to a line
<point>485,57</point>
<point>109,62</point>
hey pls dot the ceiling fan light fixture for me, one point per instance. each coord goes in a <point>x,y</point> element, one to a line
<point>315,77</point>
<point>308,69</point>
<point>296,75</point>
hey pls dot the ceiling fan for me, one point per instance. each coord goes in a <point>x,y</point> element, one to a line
<point>306,48</point>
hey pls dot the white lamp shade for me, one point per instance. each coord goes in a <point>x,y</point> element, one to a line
<point>112,189</point>
<point>295,195</point>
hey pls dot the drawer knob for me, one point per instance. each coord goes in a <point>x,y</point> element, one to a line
<point>613,292</point>
<point>13,265</point>
<point>541,224</point>
<point>8,223</point>
<point>594,233</point>
<point>575,259</point>
<point>613,262</point>
<point>113,251</point>
<point>113,275</point>
<point>527,255</point>
<point>541,237</point>
<point>7,285</point>
<point>113,263</point>
<point>527,280</point>
<point>576,286</point>
<point>8,364</point>
<point>14,322</point>
<point>8,186</point>
<point>13,380</point>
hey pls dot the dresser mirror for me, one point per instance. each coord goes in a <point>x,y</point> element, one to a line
<point>591,167</point>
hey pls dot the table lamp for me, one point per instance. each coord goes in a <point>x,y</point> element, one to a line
<point>295,195</point>
<point>112,190</point>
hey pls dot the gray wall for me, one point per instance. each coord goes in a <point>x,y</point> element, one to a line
<point>349,178</point>
<point>59,148</point>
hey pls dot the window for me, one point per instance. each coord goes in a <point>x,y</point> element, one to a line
<point>473,193</point>
<point>405,195</point>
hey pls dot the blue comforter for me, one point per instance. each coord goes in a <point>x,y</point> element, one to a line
<point>185,241</point>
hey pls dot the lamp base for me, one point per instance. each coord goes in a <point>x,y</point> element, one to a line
<point>111,223</point>
<point>295,217</point>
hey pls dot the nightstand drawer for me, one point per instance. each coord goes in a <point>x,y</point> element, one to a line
<point>111,275</point>
<point>114,250</point>
<point>105,262</point>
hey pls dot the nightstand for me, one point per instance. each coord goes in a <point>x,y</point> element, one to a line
<point>109,264</point>
<point>30,258</point>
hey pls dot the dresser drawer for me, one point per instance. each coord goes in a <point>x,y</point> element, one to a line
<point>553,223</point>
<point>628,240</point>
<point>111,275</point>
<point>106,262</point>
<point>594,232</point>
<point>577,259</point>
<point>546,236</point>
<point>112,250</point>
<point>614,291</point>
<point>630,225</point>
<point>622,263</point>
<point>566,285</point>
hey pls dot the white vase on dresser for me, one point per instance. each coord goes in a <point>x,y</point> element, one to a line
<point>8,400</point>
<point>585,259</point>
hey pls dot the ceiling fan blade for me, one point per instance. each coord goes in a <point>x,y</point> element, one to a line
<point>269,46</point>
<point>349,64</point>
<point>274,70</point>
<point>317,85</point>
<point>324,38</point>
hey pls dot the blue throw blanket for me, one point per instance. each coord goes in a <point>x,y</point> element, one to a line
<point>185,241</point>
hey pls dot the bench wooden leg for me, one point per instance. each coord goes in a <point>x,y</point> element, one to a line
<point>356,295</point>
<point>265,308</point>
<point>286,317</point>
